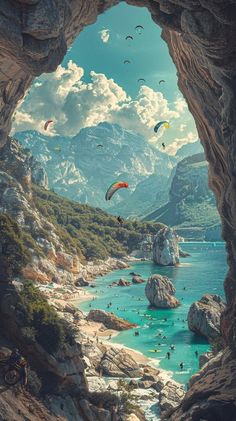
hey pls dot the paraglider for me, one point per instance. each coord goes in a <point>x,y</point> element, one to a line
<point>139,29</point>
<point>114,187</point>
<point>127,62</point>
<point>47,124</point>
<point>163,145</point>
<point>129,37</point>
<point>141,80</point>
<point>161,123</point>
<point>161,81</point>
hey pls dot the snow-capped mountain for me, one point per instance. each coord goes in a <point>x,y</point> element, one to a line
<point>82,167</point>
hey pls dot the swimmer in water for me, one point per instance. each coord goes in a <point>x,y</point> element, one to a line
<point>168,355</point>
<point>181,366</point>
<point>196,353</point>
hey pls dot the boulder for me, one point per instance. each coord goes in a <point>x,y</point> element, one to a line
<point>137,280</point>
<point>81,282</point>
<point>96,384</point>
<point>204,317</point>
<point>118,363</point>
<point>134,274</point>
<point>109,320</point>
<point>170,397</point>
<point>160,291</point>
<point>121,283</point>
<point>165,247</point>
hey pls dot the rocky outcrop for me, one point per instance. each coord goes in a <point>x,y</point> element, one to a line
<point>117,363</point>
<point>165,248</point>
<point>170,397</point>
<point>204,317</point>
<point>81,282</point>
<point>121,283</point>
<point>137,280</point>
<point>160,292</point>
<point>109,320</point>
<point>211,391</point>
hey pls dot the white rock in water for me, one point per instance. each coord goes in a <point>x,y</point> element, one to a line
<point>166,248</point>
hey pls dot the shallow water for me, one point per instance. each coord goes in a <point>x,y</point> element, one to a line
<point>201,273</point>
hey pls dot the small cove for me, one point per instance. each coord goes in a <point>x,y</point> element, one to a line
<point>203,272</point>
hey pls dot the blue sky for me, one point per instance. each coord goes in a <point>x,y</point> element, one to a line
<point>149,60</point>
<point>93,84</point>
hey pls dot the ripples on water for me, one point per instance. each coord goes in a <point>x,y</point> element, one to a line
<point>201,273</point>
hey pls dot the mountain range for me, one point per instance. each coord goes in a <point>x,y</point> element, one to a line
<point>170,189</point>
<point>83,167</point>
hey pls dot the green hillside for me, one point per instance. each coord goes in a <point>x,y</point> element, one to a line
<point>93,233</point>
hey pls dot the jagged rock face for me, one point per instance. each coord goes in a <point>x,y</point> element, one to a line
<point>160,292</point>
<point>212,392</point>
<point>117,363</point>
<point>170,397</point>
<point>166,248</point>
<point>204,317</point>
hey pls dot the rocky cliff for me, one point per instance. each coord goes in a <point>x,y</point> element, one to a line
<point>201,38</point>
<point>191,209</point>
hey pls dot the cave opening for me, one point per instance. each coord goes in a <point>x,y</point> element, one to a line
<point>200,40</point>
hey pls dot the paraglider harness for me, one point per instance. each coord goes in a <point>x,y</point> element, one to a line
<point>14,370</point>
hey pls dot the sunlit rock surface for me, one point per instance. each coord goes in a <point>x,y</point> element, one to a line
<point>166,248</point>
<point>204,317</point>
<point>160,292</point>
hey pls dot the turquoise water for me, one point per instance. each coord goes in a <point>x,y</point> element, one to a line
<point>201,273</point>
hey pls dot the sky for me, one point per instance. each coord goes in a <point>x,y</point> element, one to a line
<point>93,84</point>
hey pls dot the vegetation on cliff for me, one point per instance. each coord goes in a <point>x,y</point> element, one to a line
<point>41,322</point>
<point>93,233</point>
<point>14,254</point>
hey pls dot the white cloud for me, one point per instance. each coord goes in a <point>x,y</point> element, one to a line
<point>104,35</point>
<point>72,104</point>
<point>171,149</point>
<point>182,127</point>
<point>180,104</point>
